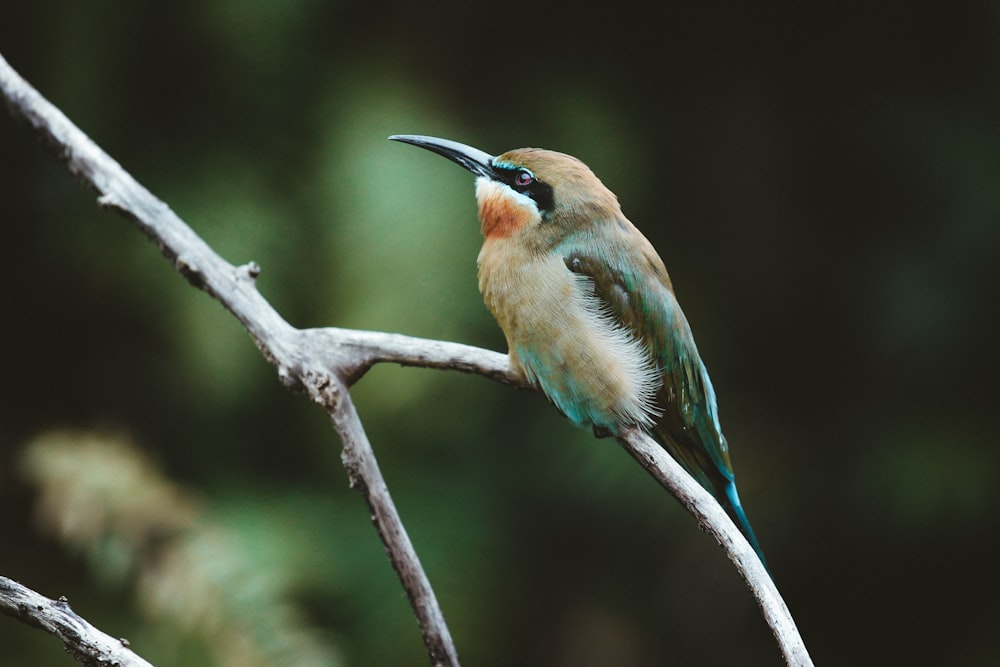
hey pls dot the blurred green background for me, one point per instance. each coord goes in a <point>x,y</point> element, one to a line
<point>822,180</point>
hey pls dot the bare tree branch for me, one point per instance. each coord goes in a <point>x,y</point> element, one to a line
<point>80,639</point>
<point>714,520</point>
<point>324,363</point>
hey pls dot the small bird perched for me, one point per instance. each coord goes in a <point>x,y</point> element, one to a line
<point>589,311</point>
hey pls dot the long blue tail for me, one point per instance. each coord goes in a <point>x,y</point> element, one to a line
<point>735,511</point>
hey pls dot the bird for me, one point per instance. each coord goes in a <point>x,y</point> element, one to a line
<point>589,311</point>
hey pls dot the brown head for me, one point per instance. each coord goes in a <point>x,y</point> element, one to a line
<point>525,187</point>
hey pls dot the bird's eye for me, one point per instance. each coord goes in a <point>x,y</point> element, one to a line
<point>523,179</point>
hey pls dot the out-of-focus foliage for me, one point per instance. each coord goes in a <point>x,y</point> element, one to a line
<point>821,180</point>
<point>223,588</point>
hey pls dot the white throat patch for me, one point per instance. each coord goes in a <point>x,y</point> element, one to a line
<point>487,188</point>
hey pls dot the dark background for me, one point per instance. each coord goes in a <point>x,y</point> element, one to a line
<point>822,180</point>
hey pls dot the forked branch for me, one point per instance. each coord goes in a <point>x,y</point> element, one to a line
<point>324,363</point>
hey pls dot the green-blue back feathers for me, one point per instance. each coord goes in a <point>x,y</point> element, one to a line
<point>636,289</point>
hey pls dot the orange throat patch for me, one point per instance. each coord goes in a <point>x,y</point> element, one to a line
<point>501,210</point>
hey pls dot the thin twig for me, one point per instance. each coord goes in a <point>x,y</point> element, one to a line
<point>324,363</point>
<point>359,460</point>
<point>80,639</point>
<point>714,520</point>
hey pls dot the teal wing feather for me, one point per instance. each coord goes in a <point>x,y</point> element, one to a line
<point>644,302</point>
<point>632,282</point>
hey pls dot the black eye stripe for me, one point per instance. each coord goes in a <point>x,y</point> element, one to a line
<point>526,183</point>
<point>516,177</point>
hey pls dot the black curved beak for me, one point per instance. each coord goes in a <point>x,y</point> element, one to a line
<point>473,159</point>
